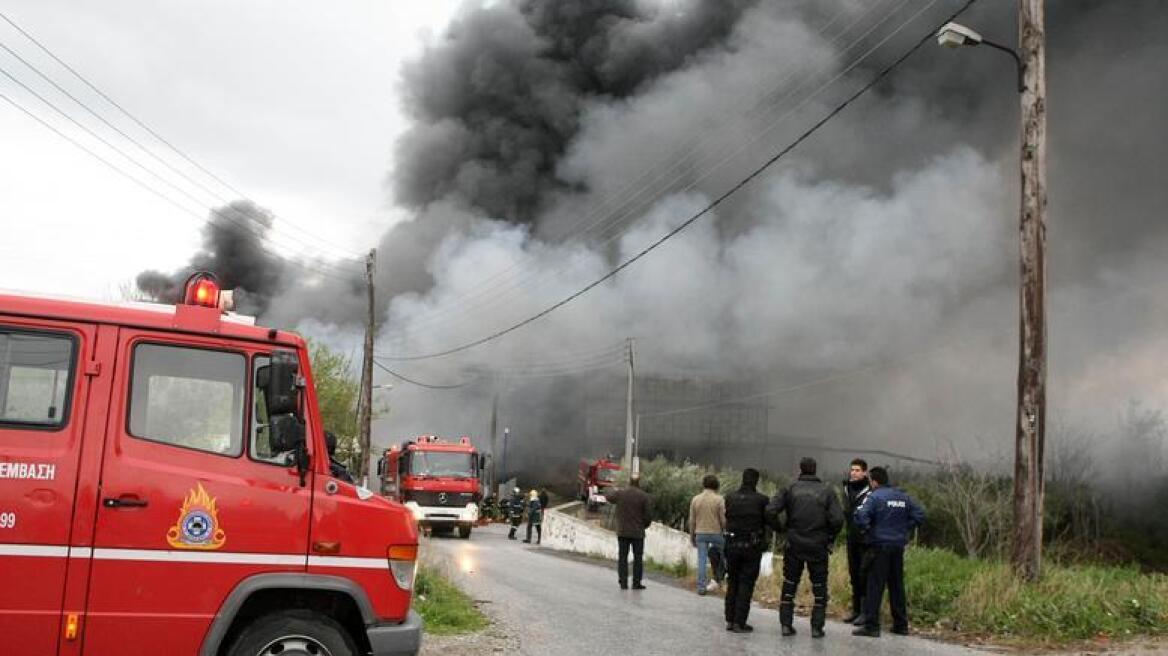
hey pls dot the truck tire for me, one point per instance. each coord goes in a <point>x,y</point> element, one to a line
<point>464,532</point>
<point>293,633</point>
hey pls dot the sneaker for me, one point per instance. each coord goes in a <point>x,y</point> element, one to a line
<point>855,615</point>
<point>788,630</point>
<point>865,632</point>
<point>729,626</point>
<point>741,628</point>
<point>712,586</point>
<point>701,592</point>
<point>817,632</point>
<point>638,586</point>
<point>624,586</point>
<point>859,621</point>
<point>900,630</point>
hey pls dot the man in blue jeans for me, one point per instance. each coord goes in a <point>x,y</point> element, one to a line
<point>707,521</point>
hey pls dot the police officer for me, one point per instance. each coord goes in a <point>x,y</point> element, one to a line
<point>745,541</point>
<point>814,519</point>
<point>515,507</point>
<point>887,516</point>
<point>855,491</point>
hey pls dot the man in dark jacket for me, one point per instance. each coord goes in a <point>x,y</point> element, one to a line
<point>633,516</point>
<point>855,491</point>
<point>745,542</point>
<point>887,517</point>
<point>814,519</point>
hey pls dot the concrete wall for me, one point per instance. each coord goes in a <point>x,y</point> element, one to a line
<point>564,531</point>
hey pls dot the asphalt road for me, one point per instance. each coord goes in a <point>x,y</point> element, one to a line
<point>567,607</point>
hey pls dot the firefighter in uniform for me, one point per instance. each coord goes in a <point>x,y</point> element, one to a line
<point>515,508</point>
<point>814,518</point>
<point>745,540</point>
<point>855,491</point>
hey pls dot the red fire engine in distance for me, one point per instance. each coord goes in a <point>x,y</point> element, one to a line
<point>437,480</point>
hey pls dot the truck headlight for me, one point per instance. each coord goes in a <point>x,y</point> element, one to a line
<point>417,511</point>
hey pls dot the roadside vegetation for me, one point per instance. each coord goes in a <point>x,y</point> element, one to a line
<point>1098,585</point>
<point>445,609</point>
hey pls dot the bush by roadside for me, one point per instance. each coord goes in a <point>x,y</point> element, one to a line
<point>445,609</point>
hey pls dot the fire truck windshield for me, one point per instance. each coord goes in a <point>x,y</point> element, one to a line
<point>605,475</point>
<point>436,463</point>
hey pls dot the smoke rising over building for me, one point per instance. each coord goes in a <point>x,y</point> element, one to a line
<point>554,139</point>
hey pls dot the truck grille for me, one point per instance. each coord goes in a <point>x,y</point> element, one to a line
<point>429,498</point>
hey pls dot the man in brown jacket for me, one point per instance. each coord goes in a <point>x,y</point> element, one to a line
<point>707,521</point>
<point>632,518</point>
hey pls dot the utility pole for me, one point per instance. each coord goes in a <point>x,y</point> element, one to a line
<point>506,434</point>
<point>494,488</point>
<point>629,463</point>
<point>1029,484</point>
<point>365,402</point>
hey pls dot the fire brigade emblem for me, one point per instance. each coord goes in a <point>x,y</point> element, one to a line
<point>198,523</point>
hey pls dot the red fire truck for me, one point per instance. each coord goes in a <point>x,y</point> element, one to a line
<point>596,478</point>
<point>165,489</point>
<point>437,480</point>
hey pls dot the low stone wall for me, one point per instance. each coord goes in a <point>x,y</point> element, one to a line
<point>563,530</point>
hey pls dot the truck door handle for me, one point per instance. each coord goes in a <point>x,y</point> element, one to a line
<point>124,502</point>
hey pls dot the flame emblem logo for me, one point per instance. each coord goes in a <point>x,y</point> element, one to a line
<point>198,523</point>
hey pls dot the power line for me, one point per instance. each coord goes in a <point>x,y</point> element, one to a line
<point>129,138</point>
<point>411,381</point>
<point>623,211</point>
<point>706,210</point>
<point>149,130</point>
<point>147,187</point>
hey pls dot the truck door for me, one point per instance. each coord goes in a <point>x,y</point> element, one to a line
<point>42,410</point>
<point>191,501</point>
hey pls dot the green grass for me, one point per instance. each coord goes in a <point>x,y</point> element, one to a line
<point>445,609</point>
<point>679,569</point>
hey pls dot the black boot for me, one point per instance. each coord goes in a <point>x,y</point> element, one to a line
<point>865,632</point>
<point>788,630</point>
<point>817,632</point>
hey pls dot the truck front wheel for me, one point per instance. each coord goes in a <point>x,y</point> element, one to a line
<point>464,531</point>
<point>294,633</point>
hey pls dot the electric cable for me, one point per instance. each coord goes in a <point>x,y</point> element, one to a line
<point>517,282</point>
<point>155,134</point>
<point>703,212</point>
<point>296,262</point>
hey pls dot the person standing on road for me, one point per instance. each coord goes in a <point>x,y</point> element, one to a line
<point>855,491</point>
<point>887,517</point>
<point>543,501</point>
<point>814,518</point>
<point>515,512</point>
<point>745,542</point>
<point>633,516</point>
<point>534,518</point>
<point>707,521</point>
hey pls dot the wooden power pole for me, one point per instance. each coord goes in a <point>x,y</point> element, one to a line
<point>629,462</point>
<point>1029,485</point>
<point>365,402</point>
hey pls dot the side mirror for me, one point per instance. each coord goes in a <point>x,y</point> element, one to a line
<point>279,383</point>
<point>482,462</point>
<point>287,433</point>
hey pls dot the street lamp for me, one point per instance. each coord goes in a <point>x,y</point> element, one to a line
<point>956,35</point>
<point>1030,417</point>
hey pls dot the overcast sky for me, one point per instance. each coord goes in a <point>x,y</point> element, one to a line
<point>292,103</point>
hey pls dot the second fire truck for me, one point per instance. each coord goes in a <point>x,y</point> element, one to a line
<point>437,480</point>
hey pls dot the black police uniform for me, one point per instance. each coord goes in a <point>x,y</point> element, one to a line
<point>745,542</point>
<point>887,517</point>
<point>814,518</point>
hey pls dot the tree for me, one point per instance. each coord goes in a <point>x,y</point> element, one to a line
<point>336,394</point>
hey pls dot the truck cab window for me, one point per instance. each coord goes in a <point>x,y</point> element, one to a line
<point>35,372</point>
<point>188,397</point>
<point>260,447</point>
